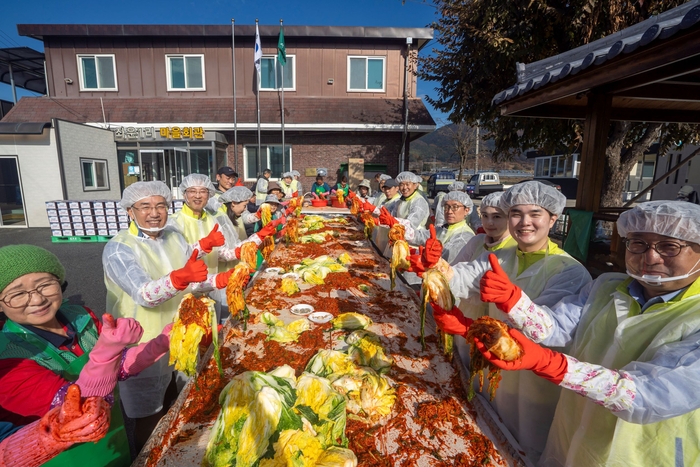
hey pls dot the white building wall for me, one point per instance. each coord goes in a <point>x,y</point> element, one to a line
<point>689,174</point>
<point>40,175</point>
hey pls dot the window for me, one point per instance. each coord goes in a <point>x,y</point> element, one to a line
<point>271,74</point>
<point>366,74</point>
<point>94,174</point>
<point>271,159</point>
<point>185,72</point>
<point>648,169</point>
<point>97,73</point>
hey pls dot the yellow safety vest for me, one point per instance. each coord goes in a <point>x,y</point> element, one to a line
<point>613,333</point>
<point>157,257</point>
<point>194,229</point>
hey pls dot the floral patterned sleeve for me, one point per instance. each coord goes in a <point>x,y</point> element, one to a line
<point>158,291</point>
<point>410,234</point>
<point>532,320</point>
<point>614,390</point>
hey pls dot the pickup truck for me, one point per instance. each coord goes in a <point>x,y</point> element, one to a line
<point>483,183</point>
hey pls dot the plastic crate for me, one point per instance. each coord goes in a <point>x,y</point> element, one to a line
<point>80,239</point>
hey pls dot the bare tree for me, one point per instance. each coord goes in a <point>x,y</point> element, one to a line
<point>464,141</point>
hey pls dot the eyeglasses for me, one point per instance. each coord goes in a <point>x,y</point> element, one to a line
<point>22,299</point>
<point>158,207</point>
<point>197,192</point>
<point>453,208</point>
<point>666,248</point>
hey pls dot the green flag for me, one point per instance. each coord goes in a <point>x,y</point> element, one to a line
<point>281,51</point>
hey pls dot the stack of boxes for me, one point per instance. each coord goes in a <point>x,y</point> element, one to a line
<point>97,218</point>
<point>86,218</point>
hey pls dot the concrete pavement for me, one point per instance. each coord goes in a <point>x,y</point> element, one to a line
<point>82,261</point>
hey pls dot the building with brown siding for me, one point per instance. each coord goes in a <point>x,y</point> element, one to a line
<point>167,94</point>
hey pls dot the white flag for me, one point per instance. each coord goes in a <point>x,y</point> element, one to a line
<point>258,53</point>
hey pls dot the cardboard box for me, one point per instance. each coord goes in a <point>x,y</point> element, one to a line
<point>57,233</point>
<point>123,225</point>
<point>89,225</point>
<point>111,218</point>
<point>85,204</point>
<point>66,233</point>
<point>101,226</point>
<point>100,218</point>
<point>90,232</point>
<point>76,218</point>
<point>112,225</point>
<point>123,218</point>
<point>113,232</point>
<point>75,212</point>
<point>178,203</point>
<point>64,219</point>
<point>52,212</point>
<point>63,212</point>
<point>79,232</point>
<point>110,212</point>
<point>110,204</point>
<point>98,212</point>
<point>55,226</point>
<point>86,211</point>
<point>78,226</point>
<point>103,232</point>
<point>98,205</point>
<point>50,204</point>
<point>61,205</point>
<point>54,219</point>
<point>73,204</point>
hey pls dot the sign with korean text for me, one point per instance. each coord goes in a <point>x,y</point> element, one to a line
<point>151,133</point>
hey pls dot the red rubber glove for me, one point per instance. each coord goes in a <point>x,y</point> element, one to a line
<point>433,249</point>
<point>417,265</point>
<point>385,218</point>
<point>289,210</point>
<point>351,194</point>
<point>208,338</point>
<point>452,321</point>
<point>215,238</point>
<point>497,288</point>
<point>367,206</point>
<point>295,194</point>
<point>195,270</point>
<point>222,278</point>
<point>270,228</point>
<point>544,362</point>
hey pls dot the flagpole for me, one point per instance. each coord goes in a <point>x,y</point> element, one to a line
<point>284,154</point>
<point>257,93</point>
<point>235,119</point>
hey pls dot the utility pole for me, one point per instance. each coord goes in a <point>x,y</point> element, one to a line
<point>476,157</point>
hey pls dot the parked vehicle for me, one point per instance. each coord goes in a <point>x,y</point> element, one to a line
<point>483,183</point>
<point>439,182</point>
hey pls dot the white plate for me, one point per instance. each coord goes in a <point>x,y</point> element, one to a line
<point>293,275</point>
<point>273,270</point>
<point>302,309</point>
<point>320,317</point>
<point>359,243</point>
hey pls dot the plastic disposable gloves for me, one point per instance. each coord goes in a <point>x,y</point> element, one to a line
<point>215,238</point>
<point>73,422</point>
<point>544,362</point>
<point>497,288</point>
<point>99,375</point>
<point>195,270</point>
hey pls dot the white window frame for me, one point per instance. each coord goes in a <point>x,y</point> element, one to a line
<point>169,75</point>
<point>367,57</point>
<point>92,162</point>
<point>294,74</point>
<point>267,146</point>
<point>79,58</point>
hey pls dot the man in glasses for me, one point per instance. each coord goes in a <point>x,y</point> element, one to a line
<point>633,361</point>
<point>148,269</point>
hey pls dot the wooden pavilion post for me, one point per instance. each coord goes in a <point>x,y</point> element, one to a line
<point>595,141</point>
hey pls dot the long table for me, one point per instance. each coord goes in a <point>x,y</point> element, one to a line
<point>431,424</point>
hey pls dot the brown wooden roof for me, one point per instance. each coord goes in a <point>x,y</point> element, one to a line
<point>216,110</point>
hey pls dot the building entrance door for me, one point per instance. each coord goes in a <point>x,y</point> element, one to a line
<point>178,168</point>
<point>11,201</point>
<point>153,165</point>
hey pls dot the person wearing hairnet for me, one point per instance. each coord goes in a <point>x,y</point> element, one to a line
<point>48,345</point>
<point>236,201</point>
<point>412,205</point>
<point>631,370</point>
<point>288,185</point>
<point>298,186</point>
<point>437,203</point>
<point>538,267</point>
<point>261,187</point>
<point>453,235</point>
<point>277,218</point>
<point>495,237</point>
<point>147,270</point>
<point>381,196</point>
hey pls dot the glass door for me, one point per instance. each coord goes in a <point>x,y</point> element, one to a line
<point>177,169</point>
<point>11,201</point>
<point>153,165</point>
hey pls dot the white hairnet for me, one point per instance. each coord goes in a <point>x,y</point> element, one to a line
<point>197,180</point>
<point>384,177</point>
<point>296,173</point>
<point>533,192</point>
<point>288,174</point>
<point>456,186</point>
<point>460,197</point>
<point>676,219</point>
<point>140,190</point>
<point>491,200</point>
<point>408,177</point>
<point>236,194</point>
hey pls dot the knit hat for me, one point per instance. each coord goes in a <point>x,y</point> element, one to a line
<point>19,260</point>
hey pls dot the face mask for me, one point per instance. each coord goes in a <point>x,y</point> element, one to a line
<point>148,229</point>
<point>657,281</point>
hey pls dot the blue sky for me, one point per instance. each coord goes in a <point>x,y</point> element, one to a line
<point>390,13</point>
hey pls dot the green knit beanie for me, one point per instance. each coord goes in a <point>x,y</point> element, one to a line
<point>18,260</point>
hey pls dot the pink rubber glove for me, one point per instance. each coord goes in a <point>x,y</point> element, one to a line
<point>99,375</point>
<point>146,354</point>
<point>73,422</point>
